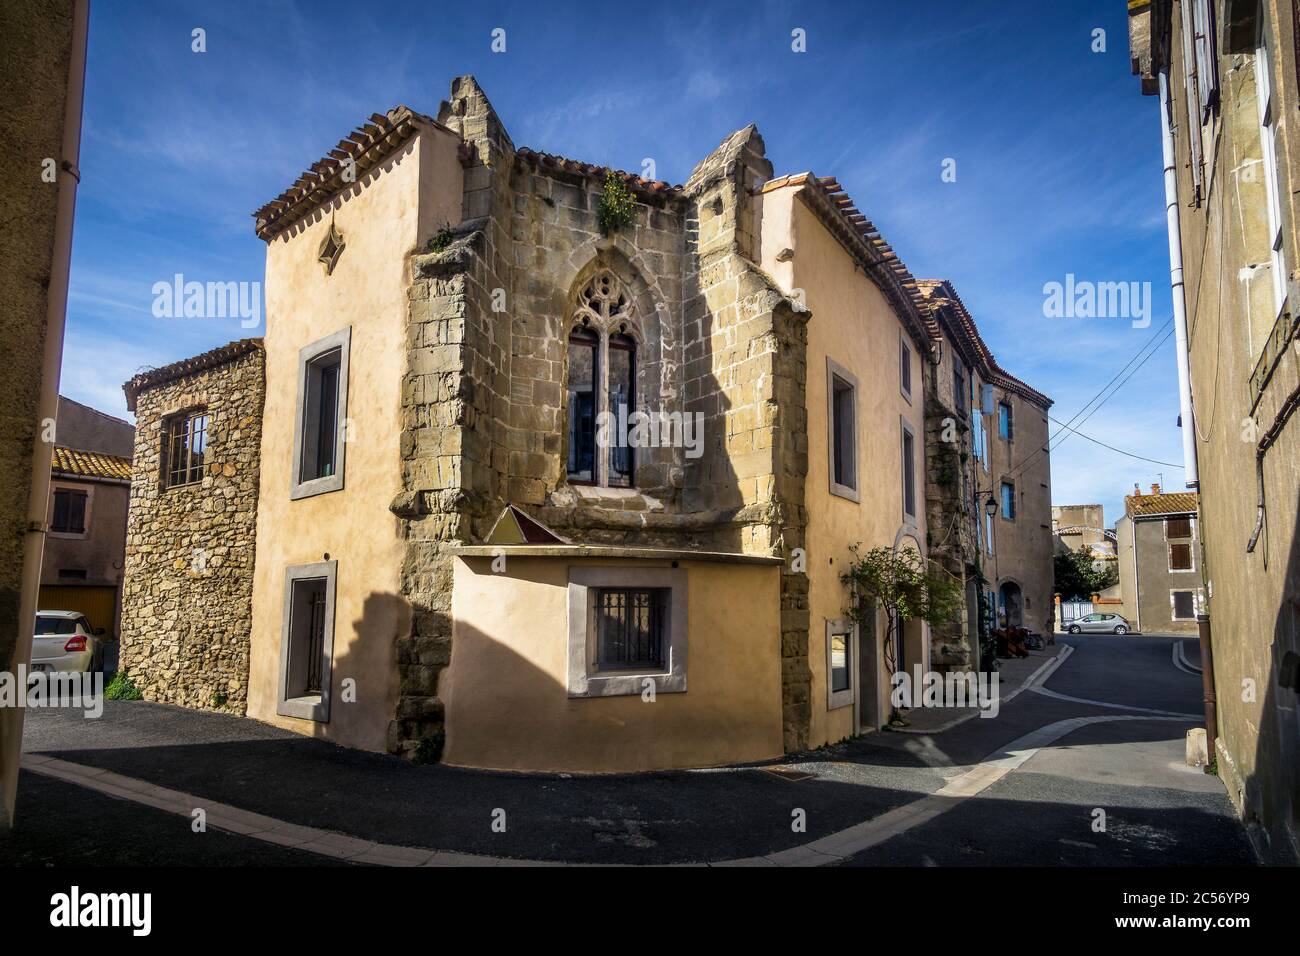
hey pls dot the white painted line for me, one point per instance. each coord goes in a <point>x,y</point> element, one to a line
<point>1181,661</point>
<point>1041,674</point>
<point>833,848</point>
<point>1105,703</point>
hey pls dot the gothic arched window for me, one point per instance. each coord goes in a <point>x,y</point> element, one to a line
<point>602,385</point>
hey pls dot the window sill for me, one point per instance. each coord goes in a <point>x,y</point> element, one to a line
<point>316,486</point>
<point>845,492</point>
<point>303,708</point>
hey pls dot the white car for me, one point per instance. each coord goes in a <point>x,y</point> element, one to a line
<point>65,641</point>
<point>1100,624</point>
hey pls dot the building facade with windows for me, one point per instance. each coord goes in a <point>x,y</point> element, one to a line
<point>90,478</point>
<point>188,577</point>
<point>546,485</point>
<point>989,482</point>
<point>1159,562</point>
<point>1225,74</point>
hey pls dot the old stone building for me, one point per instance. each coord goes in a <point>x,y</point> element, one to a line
<point>188,580</point>
<point>988,484</point>
<point>560,467</point>
<point>1225,74</point>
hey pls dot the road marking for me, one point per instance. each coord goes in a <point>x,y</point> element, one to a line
<point>1105,703</point>
<point>835,848</point>
<point>1181,661</point>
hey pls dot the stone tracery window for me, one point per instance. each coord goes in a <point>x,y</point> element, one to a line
<point>602,350</point>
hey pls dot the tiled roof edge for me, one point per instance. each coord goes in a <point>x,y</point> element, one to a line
<point>157,376</point>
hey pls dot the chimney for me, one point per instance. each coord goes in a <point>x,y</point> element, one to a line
<point>1137,490</point>
<point>1155,489</point>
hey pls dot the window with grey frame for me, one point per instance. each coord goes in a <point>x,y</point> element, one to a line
<point>841,413</point>
<point>904,367</point>
<point>307,641</point>
<point>909,472</point>
<point>630,628</point>
<point>320,434</point>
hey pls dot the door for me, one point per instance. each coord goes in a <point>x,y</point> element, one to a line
<point>97,603</point>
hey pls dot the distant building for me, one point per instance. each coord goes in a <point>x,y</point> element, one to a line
<point>1159,567</point>
<point>90,483</point>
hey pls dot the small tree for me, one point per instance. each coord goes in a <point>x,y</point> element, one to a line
<point>906,586</point>
<point>1075,576</point>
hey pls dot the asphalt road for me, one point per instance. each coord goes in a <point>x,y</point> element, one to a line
<point>1156,809</point>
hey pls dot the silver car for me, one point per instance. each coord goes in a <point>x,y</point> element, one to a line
<point>1100,624</point>
<point>65,641</point>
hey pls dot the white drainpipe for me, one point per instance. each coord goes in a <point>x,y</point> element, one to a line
<point>1176,290</point>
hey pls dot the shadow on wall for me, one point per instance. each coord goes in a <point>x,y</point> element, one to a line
<point>1271,803</point>
<point>363,686</point>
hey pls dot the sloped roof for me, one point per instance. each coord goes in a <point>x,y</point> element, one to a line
<point>73,463</point>
<point>941,292</point>
<point>189,366</point>
<point>1166,503</point>
<point>369,143</point>
<point>862,238</point>
<point>549,161</point>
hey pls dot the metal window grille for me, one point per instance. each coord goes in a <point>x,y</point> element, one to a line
<point>630,628</point>
<point>315,639</point>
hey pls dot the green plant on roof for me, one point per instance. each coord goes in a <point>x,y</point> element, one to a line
<point>617,206</point>
<point>441,240</point>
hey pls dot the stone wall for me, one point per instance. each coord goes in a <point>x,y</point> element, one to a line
<point>188,580</point>
<point>484,402</point>
<point>36,46</point>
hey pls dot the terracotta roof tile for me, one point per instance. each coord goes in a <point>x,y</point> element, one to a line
<point>549,161</point>
<point>188,366</point>
<point>1167,503</point>
<point>862,236</point>
<point>940,292</point>
<point>72,462</point>
<point>365,146</point>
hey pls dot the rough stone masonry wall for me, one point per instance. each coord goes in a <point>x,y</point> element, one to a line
<point>484,403</point>
<point>187,588</point>
<point>950,513</point>
<point>746,358</point>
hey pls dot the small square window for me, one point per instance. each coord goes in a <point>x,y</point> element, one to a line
<point>630,625</point>
<point>626,626</point>
<point>185,448</point>
<point>1180,557</point>
<point>1183,605</point>
<point>1178,528</point>
<point>69,511</point>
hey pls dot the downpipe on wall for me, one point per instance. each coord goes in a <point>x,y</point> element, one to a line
<point>1176,289</point>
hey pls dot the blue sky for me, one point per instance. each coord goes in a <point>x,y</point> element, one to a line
<point>1057,156</point>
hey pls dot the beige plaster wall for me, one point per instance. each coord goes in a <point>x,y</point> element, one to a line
<point>383,218</point>
<point>854,325</point>
<point>506,687</point>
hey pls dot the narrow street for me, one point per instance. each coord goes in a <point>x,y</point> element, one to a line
<point>1083,767</point>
